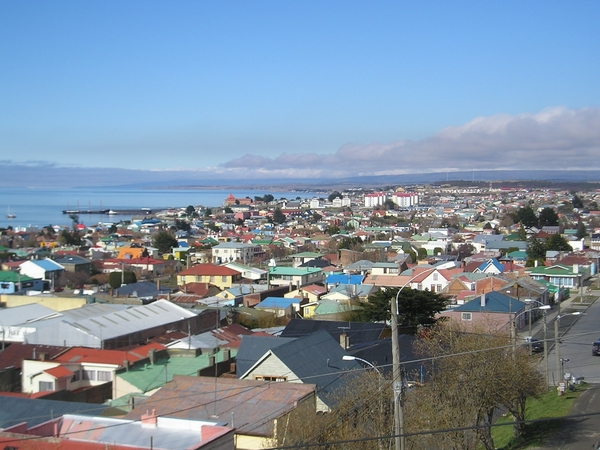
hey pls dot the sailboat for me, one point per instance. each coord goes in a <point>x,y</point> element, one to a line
<point>10,215</point>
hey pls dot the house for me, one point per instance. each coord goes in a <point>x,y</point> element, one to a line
<point>146,291</point>
<point>315,359</point>
<point>74,431</point>
<point>220,276</point>
<point>80,367</point>
<point>493,310</point>
<point>12,282</point>
<point>280,306</point>
<point>491,266</point>
<point>348,334</point>
<point>43,269</point>
<point>258,410</point>
<point>74,263</point>
<point>296,277</point>
<point>560,275</point>
<point>301,258</point>
<point>233,251</point>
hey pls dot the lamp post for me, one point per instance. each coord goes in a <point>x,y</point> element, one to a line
<point>397,373</point>
<point>556,341</point>
<point>543,308</point>
<point>513,324</point>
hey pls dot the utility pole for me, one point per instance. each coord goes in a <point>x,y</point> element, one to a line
<point>397,382</point>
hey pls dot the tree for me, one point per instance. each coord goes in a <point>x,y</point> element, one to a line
<point>190,211</point>
<point>473,372</point>
<point>548,217</point>
<point>278,216</point>
<point>334,195</point>
<point>536,250</point>
<point>389,204</point>
<point>558,243</point>
<point>581,230</point>
<point>416,308</point>
<point>422,253</point>
<point>163,241</point>
<point>351,243</point>
<point>115,279</point>
<point>577,202</point>
<point>526,216</point>
<point>332,229</point>
<point>522,233</point>
<point>316,217</point>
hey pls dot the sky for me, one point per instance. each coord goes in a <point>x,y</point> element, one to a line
<point>259,89</point>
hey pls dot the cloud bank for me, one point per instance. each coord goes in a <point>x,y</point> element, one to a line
<point>553,138</point>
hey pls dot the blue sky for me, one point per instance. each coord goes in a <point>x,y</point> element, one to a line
<point>279,88</point>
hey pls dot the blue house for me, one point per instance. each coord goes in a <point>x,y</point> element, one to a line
<point>280,306</point>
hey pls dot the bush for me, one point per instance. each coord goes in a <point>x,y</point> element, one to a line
<point>114,279</point>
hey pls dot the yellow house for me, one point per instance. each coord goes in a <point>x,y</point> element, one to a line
<point>220,276</point>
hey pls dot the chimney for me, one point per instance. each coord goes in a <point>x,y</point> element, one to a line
<point>158,285</point>
<point>576,268</point>
<point>151,356</point>
<point>211,360</point>
<point>482,300</point>
<point>344,341</point>
<point>149,419</point>
<point>226,354</point>
<point>126,364</point>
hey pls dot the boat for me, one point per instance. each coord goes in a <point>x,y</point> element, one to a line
<point>10,215</point>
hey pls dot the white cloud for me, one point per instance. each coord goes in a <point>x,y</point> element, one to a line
<point>553,138</point>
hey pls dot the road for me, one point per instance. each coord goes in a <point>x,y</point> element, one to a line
<point>576,336</point>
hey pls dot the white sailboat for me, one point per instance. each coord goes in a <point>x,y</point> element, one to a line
<point>10,215</point>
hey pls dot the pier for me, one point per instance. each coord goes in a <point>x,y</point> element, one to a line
<point>110,212</point>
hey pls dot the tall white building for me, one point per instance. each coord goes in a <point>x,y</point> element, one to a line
<point>374,199</point>
<point>405,199</point>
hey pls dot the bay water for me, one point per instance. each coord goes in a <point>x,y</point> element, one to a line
<point>41,207</point>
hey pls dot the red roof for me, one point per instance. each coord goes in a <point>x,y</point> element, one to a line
<point>116,357</point>
<point>59,372</point>
<point>209,269</point>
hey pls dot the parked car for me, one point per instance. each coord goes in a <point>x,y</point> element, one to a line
<point>537,346</point>
<point>596,347</point>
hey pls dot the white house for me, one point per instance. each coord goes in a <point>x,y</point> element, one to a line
<point>43,269</point>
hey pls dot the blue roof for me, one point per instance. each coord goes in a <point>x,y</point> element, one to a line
<point>495,302</point>
<point>343,278</point>
<point>47,264</point>
<point>494,262</point>
<point>278,302</point>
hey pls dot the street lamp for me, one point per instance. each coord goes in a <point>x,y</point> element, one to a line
<point>356,358</point>
<point>514,322</point>
<point>556,342</point>
<point>543,308</point>
<point>397,373</point>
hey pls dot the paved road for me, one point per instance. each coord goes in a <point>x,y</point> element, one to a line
<point>577,334</point>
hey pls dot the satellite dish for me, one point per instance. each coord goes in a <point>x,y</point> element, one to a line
<point>272,262</point>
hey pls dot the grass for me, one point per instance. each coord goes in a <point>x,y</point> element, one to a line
<point>548,405</point>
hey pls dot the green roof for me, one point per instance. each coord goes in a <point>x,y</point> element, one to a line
<point>558,269</point>
<point>7,276</point>
<point>152,376</point>
<point>293,270</point>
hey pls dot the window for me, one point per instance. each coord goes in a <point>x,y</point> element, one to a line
<point>46,386</point>
<point>439,288</point>
<point>75,376</point>
<point>269,378</point>
<point>89,374</point>
<point>467,316</point>
<point>104,375</point>
<point>419,287</point>
<point>435,276</point>
<point>212,279</point>
<point>224,279</point>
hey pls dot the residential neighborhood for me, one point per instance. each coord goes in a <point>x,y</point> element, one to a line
<point>227,321</point>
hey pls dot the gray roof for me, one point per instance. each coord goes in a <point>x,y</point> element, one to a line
<point>317,359</point>
<point>357,332</point>
<point>88,331</point>
<point>14,410</point>
<point>24,314</point>
<point>253,348</point>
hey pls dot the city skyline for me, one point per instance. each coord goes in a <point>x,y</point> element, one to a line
<point>300,90</point>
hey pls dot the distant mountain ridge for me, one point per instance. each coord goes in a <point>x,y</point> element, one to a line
<point>52,176</point>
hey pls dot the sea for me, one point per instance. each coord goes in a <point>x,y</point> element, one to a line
<point>36,207</point>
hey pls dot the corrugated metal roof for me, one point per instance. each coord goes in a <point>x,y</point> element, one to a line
<point>26,313</point>
<point>251,405</point>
